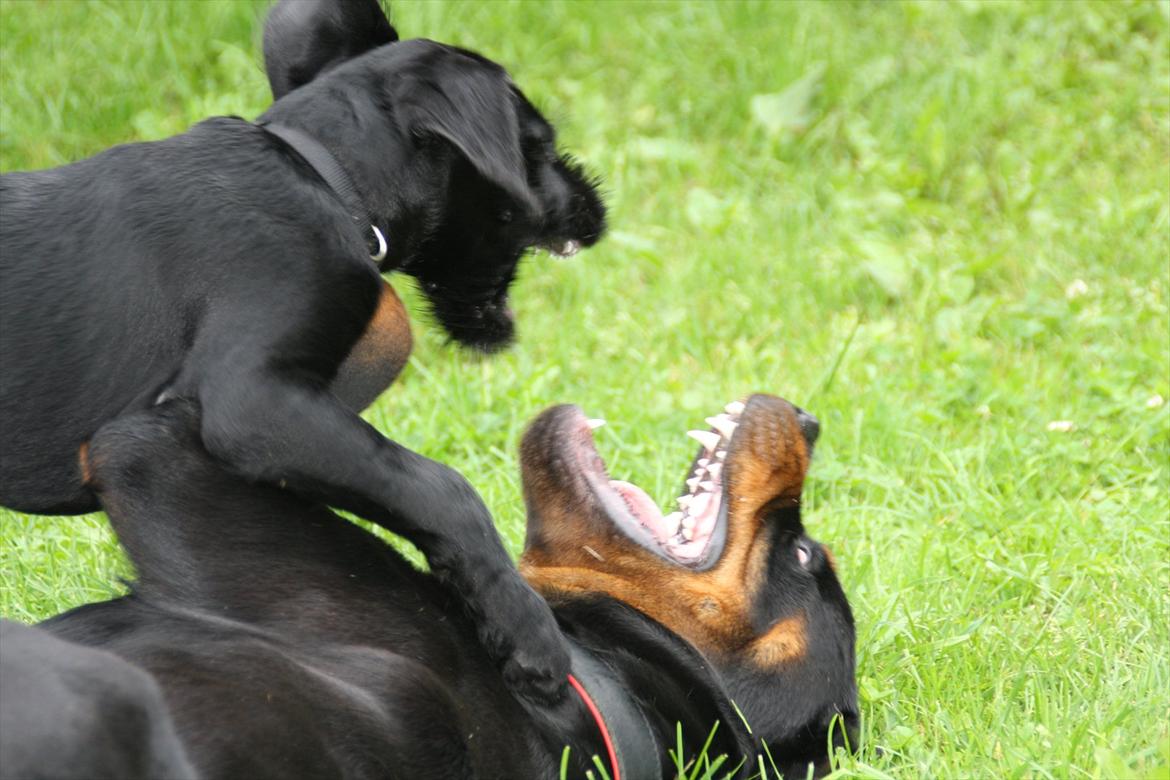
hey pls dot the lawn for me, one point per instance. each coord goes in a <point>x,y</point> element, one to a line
<point>944,228</point>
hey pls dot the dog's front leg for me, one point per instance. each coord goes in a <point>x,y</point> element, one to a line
<point>271,429</point>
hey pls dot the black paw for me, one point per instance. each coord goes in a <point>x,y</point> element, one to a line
<point>522,634</point>
<point>536,679</point>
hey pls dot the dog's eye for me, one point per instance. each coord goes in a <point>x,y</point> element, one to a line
<point>803,554</point>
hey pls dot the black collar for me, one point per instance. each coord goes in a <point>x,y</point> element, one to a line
<point>329,169</point>
<point>636,753</point>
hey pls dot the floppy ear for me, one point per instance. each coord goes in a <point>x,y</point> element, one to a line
<point>305,38</point>
<point>472,105</point>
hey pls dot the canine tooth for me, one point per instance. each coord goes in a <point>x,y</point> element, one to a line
<point>708,439</point>
<point>703,462</point>
<point>724,424</point>
<point>595,423</point>
<point>692,482</point>
<point>720,454</point>
<point>735,407</point>
<point>701,504</point>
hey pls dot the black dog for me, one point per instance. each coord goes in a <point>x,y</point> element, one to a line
<point>290,643</point>
<point>232,265</point>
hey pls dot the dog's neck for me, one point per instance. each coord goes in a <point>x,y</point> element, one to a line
<point>628,745</point>
<point>645,681</point>
<point>344,130</point>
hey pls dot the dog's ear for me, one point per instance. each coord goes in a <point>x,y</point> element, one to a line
<point>471,104</point>
<point>305,38</point>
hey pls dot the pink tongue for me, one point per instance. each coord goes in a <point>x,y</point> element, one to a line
<point>643,508</point>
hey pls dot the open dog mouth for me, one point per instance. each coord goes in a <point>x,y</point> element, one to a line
<point>693,532</point>
<point>752,455</point>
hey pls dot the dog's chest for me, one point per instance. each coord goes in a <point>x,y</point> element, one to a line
<point>378,356</point>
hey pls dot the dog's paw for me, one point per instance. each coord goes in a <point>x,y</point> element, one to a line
<point>528,645</point>
<point>536,679</point>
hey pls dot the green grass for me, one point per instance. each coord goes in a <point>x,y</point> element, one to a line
<point>943,227</point>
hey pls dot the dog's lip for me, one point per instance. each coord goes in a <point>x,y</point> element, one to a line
<point>562,439</point>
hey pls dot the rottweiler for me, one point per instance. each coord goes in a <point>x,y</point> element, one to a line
<point>289,642</point>
<point>240,265</point>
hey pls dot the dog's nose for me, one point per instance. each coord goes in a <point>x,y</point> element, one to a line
<point>809,426</point>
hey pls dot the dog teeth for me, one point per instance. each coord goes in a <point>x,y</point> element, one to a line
<point>707,524</point>
<point>671,523</point>
<point>703,462</point>
<point>714,470</point>
<point>708,485</point>
<point>735,407</point>
<point>699,507</point>
<point>724,424</point>
<point>692,482</point>
<point>684,501</point>
<point>569,248</point>
<point>595,423</point>
<point>720,454</point>
<point>708,439</point>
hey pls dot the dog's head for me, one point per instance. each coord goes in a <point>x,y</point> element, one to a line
<point>460,165</point>
<point>732,572</point>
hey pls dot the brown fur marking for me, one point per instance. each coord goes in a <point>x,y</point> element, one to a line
<point>784,642</point>
<point>712,609</point>
<point>83,461</point>
<point>379,356</point>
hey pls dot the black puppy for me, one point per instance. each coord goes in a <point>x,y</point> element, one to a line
<point>290,643</point>
<point>232,265</point>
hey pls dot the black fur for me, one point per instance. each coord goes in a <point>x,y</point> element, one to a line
<point>69,712</point>
<point>217,266</point>
<point>289,642</point>
<point>826,676</point>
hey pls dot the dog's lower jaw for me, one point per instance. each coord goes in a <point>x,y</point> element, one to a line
<point>495,338</point>
<point>485,326</point>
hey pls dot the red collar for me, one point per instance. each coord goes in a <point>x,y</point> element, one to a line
<point>596,713</point>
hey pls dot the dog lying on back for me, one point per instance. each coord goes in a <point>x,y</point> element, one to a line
<point>288,642</point>
<point>239,265</point>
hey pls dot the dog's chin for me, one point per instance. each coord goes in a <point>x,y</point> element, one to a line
<point>486,328</point>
